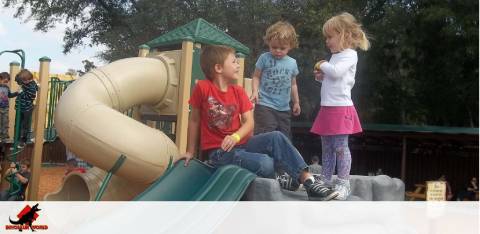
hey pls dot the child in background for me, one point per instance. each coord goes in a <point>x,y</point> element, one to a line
<point>337,117</point>
<point>315,167</point>
<point>23,176</point>
<point>72,166</point>
<point>26,97</point>
<point>274,81</point>
<point>222,113</point>
<point>5,94</point>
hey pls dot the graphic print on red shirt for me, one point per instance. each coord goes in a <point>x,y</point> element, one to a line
<point>220,116</point>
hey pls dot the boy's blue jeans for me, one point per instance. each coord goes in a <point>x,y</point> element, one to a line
<point>262,154</point>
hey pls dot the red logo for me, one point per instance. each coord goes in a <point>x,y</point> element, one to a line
<point>26,217</point>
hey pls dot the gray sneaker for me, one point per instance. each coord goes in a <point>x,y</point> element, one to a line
<point>287,182</point>
<point>321,179</point>
<point>317,191</point>
<point>343,189</point>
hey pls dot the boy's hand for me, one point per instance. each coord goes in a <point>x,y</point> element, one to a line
<point>187,156</point>
<point>296,109</point>
<point>228,143</point>
<point>13,170</point>
<point>254,97</point>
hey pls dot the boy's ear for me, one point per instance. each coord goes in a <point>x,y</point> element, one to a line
<point>218,68</point>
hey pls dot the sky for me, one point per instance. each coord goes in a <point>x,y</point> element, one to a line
<point>16,34</point>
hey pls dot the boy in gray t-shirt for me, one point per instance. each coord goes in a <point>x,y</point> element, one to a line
<point>274,81</point>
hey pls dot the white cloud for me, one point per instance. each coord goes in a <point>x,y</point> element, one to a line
<point>58,67</point>
<point>20,35</point>
<point>3,30</point>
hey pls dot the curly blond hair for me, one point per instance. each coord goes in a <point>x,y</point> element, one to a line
<point>350,31</point>
<point>283,32</point>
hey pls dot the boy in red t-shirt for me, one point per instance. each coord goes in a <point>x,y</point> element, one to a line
<point>222,112</point>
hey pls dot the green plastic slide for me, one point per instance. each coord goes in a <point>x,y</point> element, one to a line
<point>199,182</point>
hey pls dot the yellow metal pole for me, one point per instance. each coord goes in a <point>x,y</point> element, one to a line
<point>183,96</point>
<point>14,70</point>
<point>40,110</point>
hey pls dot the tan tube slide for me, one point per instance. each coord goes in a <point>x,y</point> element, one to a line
<point>90,122</point>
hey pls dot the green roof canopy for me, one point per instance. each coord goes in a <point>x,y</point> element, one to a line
<point>201,31</point>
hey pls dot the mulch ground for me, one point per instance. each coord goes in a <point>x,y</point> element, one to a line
<point>50,180</point>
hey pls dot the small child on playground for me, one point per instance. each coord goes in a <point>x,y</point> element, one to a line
<point>222,113</point>
<point>274,81</point>
<point>26,97</point>
<point>5,94</point>
<point>337,117</point>
<point>18,178</point>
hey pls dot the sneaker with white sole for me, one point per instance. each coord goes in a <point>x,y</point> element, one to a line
<point>21,145</point>
<point>317,191</point>
<point>342,187</point>
<point>287,182</point>
<point>327,183</point>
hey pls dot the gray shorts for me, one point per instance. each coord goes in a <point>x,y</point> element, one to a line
<point>268,120</point>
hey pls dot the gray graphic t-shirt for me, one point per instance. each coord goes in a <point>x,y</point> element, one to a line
<point>276,80</point>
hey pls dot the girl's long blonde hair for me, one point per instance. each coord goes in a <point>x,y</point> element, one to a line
<point>350,31</point>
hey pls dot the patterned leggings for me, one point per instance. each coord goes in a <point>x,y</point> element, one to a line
<point>335,151</point>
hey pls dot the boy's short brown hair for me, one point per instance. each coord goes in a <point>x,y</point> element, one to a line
<point>26,163</point>
<point>24,75</point>
<point>212,55</point>
<point>283,32</point>
<point>4,75</point>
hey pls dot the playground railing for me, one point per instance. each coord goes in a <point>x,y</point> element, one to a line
<point>55,91</point>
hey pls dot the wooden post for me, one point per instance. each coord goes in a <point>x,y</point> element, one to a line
<point>14,70</point>
<point>241,76</point>
<point>40,110</point>
<point>404,158</point>
<point>183,96</point>
<point>143,51</point>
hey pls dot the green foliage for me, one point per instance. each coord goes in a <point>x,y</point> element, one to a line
<point>422,67</point>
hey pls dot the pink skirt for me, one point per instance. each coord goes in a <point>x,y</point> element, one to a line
<point>336,120</point>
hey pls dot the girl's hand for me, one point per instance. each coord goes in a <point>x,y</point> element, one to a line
<point>187,156</point>
<point>318,75</point>
<point>318,64</point>
<point>254,97</point>
<point>296,109</point>
<point>228,143</point>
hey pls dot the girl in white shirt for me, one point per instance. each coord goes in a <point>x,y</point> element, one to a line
<point>337,117</point>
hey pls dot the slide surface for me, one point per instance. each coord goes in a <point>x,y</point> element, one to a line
<point>199,182</point>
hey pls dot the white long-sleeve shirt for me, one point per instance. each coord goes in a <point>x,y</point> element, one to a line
<point>339,78</point>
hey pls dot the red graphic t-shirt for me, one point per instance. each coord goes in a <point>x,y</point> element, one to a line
<point>219,112</point>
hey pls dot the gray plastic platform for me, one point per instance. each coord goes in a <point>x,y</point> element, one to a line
<point>363,188</point>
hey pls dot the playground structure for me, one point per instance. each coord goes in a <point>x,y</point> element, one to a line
<point>91,123</point>
<point>155,86</point>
